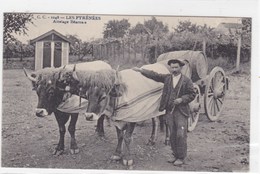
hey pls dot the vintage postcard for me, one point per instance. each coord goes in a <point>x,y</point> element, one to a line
<point>119,92</point>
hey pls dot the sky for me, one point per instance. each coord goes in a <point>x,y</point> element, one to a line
<point>88,27</point>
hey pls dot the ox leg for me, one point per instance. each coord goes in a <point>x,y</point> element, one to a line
<point>153,137</point>
<point>127,160</point>
<point>100,126</point>
<point>162,122</point>
<point>120,137</point>
<point>62,119</point>
<point>167,135</point>
<point>72,127</point>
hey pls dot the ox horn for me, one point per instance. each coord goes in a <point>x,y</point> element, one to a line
<point>74,73</point>
<point>29,76</point>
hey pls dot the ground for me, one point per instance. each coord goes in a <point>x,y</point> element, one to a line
<point>28,141</point>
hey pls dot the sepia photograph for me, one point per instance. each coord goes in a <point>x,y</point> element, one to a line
<point>126,92</point>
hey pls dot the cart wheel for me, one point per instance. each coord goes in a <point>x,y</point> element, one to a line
<point>194,107</point>
<point>215,92</point>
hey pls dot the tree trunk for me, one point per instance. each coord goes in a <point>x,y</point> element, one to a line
<point>129,56</point>
<point>195,45</point>
<point>238,54</point>
<point>21,57</point>
<point>204,46</point>
<point>123,47</point>
<point>135,50</point>
<point>155,51</point>
<point>212,52</point>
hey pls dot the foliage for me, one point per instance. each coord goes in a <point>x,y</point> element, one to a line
<point>116,28</point>
<point>17,49</point>
<point>186,26</point>
<point>79,47</point>
<point>151,27</point>
<point>15,23</point>
<point>246,33</point>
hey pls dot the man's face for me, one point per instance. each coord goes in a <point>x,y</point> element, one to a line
<point>175,68</point>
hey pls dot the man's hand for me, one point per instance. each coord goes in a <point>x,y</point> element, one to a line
<point>177,101</point>
<point>137,69</point>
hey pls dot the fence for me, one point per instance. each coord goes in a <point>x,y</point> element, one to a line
<point>123,49</point>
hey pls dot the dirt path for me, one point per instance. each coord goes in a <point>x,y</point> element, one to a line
<point>28,141</point>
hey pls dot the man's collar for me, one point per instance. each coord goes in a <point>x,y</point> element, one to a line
<point>176,76</point>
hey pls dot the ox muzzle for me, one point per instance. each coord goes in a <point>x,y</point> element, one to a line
<point>40,112</point>
<point>91,116</point>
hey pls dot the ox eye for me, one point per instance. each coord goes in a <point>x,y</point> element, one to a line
<point>102,98</point>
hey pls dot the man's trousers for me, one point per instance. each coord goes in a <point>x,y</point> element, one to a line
<point>178,126</point>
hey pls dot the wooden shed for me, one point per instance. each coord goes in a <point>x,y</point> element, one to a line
<point>51,50</point>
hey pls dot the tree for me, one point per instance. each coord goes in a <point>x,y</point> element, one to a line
<point>154,26</point>
<point>246,33</point>
<point>153,37</point>
<point>186,26</point>
<point>138,29</point>
<point>151,27</point>
<point>15,23</point>
<point>79,47</point>
<point>75,45</point>
<point>116,28</point>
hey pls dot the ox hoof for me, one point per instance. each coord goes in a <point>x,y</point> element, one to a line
<point>128,162</point>
<point>167,142</point>
<point>58,152</point>
<point>115,157</point>
<point>100,133</point>
<point>150,142</point>
<point>74,151</point>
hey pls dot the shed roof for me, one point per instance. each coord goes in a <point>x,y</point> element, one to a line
<point>48,34</point>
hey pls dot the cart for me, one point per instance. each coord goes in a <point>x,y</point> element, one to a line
<point>212,86</point>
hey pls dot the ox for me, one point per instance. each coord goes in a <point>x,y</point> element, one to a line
<point>50,88</point>
<point>106,91</point>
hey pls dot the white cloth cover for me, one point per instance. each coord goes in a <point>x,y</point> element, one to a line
<point>142,98</point>
<point>73,105</point>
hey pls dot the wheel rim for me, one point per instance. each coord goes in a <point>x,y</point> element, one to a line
<point>195,110</point>
<point>215,93</point>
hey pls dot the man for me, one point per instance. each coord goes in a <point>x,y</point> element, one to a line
<point>177,92</point>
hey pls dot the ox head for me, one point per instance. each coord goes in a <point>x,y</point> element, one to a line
<point>70,80</point>
<point>99,103</point>
<point>102,96</point>
<point>47,87</point>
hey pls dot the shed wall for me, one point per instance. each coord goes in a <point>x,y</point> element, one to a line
<point>38,55</point>
<point>65,54</point>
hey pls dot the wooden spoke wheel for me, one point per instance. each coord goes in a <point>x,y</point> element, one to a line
<point>194,107</point>
<point>215,92</point>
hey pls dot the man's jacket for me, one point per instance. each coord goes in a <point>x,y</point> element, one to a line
<point>169,93</point>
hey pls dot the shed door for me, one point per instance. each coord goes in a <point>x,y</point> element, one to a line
<point>46,54</point>
<point>57,54</point>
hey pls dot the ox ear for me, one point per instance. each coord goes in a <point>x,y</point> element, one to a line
<point>33,79</point>
<point>59,76</point>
